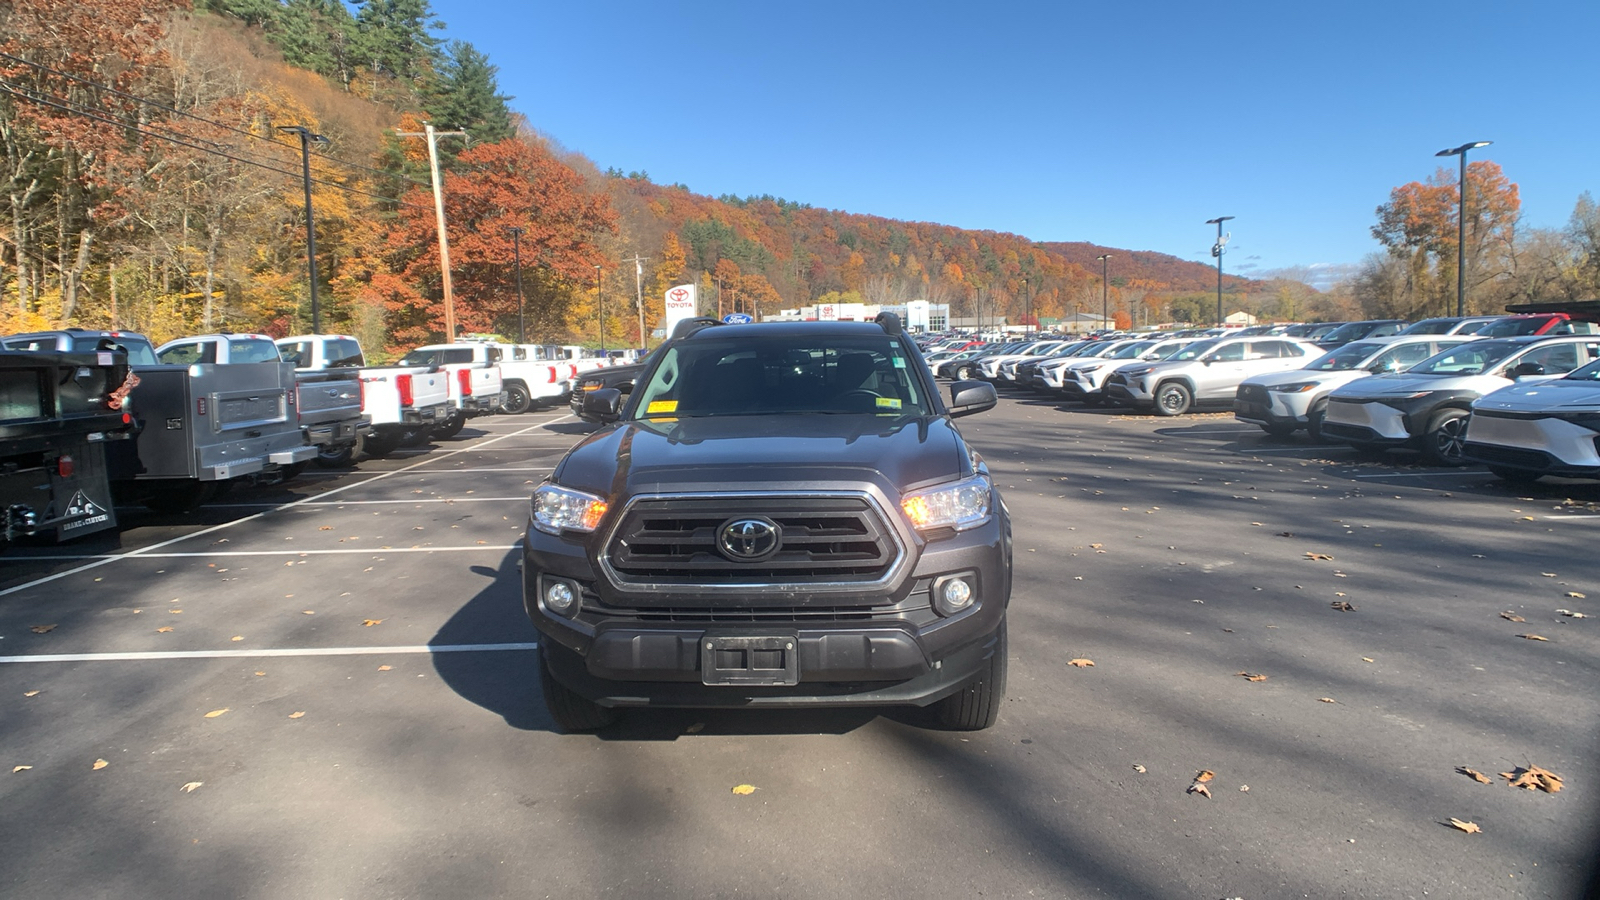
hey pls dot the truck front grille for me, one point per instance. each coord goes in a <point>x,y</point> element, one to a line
<point>827,539</point>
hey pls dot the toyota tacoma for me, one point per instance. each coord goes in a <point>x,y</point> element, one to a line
<point>776,516</point>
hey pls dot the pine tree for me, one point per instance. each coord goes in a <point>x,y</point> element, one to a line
<point>396,38</point>
<point>465,95</point>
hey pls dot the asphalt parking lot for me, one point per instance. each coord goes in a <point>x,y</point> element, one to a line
<point>338,671</point>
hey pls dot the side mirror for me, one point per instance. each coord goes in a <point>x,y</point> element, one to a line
<point>603,405</point>
<point>968,397</point>
<point>1522,370</point>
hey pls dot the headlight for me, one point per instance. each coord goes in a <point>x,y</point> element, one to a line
<point>1299,387</point>
<point>961,506</point>
<point>555,509</point>
<point>1135,373</point>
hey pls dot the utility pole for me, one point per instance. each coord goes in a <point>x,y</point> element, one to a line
<point>307,138</point>
<point>1105,291</point>
<point>600,301</point>
<point>1217,251</point>
<point>516,261</point>
<point>438,209</point>
<point>638,291</point>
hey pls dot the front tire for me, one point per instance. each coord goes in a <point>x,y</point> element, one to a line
<point>1173,399</point>
<point>571,711</point>
<point>1314,422</point>
<point>1444,442</point>
<point>518,400</point>
<point>964,373</point>
<point>977,705</point>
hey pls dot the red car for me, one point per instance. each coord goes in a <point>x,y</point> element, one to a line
<point>1539,323</point>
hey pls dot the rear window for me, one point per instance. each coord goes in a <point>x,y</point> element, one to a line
<point>345,354</point>
<point>799,374</point>
<point>253,350</point>
<point>189,354</point>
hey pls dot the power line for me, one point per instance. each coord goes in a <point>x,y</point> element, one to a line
<point>199,118</point>
<point>185,140</point>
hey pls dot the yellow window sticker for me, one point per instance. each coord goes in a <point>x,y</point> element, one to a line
<point>661,406</point>
<point>888,402</point>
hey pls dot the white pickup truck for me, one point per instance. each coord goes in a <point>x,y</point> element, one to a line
<point>476,388</point>
<point>534,374</point>
<point>402,403</point>
<point>325,403</point>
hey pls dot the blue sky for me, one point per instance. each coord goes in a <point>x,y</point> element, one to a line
<point>1125,124</point>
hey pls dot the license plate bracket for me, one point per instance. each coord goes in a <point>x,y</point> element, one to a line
<point>742,659</point>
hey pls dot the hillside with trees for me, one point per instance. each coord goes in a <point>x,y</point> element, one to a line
<point>152,173</point>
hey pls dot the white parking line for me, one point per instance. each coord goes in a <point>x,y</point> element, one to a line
<point>258,654</point>
<point>1424,475</point>
<point>215,528</point>
<point>411,470</point>
<point>1571,518</point>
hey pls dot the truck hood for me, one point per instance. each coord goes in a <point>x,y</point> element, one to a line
<point>720,453</point>
<point>1556,396</point>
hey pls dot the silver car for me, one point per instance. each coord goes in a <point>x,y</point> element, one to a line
<point>1552,427</point>
<point>1283,402</point>
<point>1205,373</point>
<point>1085,379</point>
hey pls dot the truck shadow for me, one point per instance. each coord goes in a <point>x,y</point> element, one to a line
<point>506,682</point>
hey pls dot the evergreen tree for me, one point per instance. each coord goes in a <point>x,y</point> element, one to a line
<point>318,35</point>
<point>396,38</point>
<point>251,12</point>
<point>465,95</point>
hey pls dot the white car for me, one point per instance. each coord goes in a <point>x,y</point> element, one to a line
<point>1204,373</point>
<point>1427,406</point>
<point>1085,379</point>
<point>990,365</point>
<point>1283,402</point>
<point>1547,428</point>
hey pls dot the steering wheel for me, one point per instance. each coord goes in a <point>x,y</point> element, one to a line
<point>862,397</point>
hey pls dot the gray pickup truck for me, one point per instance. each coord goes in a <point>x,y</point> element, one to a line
<point>326,404</point>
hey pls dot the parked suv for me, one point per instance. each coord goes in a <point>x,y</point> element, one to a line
<point>1356,331</point>
<point>1204,373</point>
<point>1283,402</point>
<point>1525,431</point>
<point>778,515</point>
<point>1427,406</point>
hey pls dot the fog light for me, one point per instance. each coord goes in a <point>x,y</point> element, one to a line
<point>559,598</point>
<point>953,594</point>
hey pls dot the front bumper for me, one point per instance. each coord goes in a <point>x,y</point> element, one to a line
<point>894,649</point>
<point>1367,422</point>
<point>1543,444</point>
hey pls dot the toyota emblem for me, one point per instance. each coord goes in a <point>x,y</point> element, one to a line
<point>748,540</point>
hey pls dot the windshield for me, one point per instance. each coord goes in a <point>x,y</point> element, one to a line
<point>1591,372</point>
<point>784,374</point>
<point>1514,326</point>
<point>1132,350</point>
<point>1473,358</point>
<point>1194,350</point>
<point>1431,326</point>
<point>1350,356</point>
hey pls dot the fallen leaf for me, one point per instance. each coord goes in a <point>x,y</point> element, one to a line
<point>1533,637</point>
<point>217,712</point>
<point>1326,700</point>
<point>1311,555</point>
<point>163,629</point>
<point>1096,546</point>
<point>1138,768</point>
<point>16,769</point>
<point>1573,594</point>
<point>237,637</point>
<point>1366,659</point>
<point>1468,827</point>
<point>176,612</point>
<point>1257,524</point>
<point>100,764</point>
<point>325,528</point>
<point>744,789</point>
<point>1510,616</point>
<point>1343,606</point>
<point>308,612</point>
<point>1526,519</point>
<point>1252,676</point>
<point>1572,615</point>
<point>296,715</point>
<point>371,622</point>
<point>43,629</point>
<point>1081,663</point>
<point>1534,778</point>
<point>1204,776</point>
<point>189,788</point>
<point>1198,788</point>
<point>1244,788</point>
<point>30,693</point>
<point>384,668</point>
<point>1474,774</point>
<point>1548,574</point>
<point>261,673</point>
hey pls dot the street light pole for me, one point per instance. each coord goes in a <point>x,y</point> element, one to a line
<point>1217,251</point>
<point>307,137</point>
<point>516,262</point>
<point>600,301</point>
<point>1027,299</point>
<point>1105,293</point>
<point>1461,217</point>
